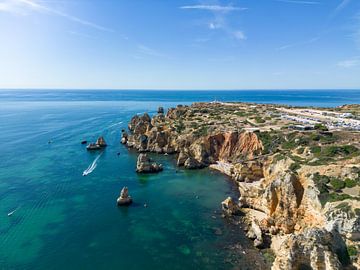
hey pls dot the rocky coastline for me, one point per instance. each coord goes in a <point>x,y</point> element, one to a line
<point>299,188</point>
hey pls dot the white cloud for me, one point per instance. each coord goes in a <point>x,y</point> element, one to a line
<point>239,35</point>
<point>215,8</point>
<point>349,63</point>
<point>342,5</point>
<point>291,45</point>
<point>23,6</point>
<point>219,22</point>
<point>148,51</point>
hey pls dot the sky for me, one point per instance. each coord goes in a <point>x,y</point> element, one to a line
<point>180,44</point>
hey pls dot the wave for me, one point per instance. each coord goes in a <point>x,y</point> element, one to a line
<point>119,123</point>
<point>92,166</point>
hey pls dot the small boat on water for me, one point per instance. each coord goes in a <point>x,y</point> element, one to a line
<point>92,166</point>
<point>12,212</point>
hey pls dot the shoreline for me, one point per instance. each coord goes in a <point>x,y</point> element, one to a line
<point>277,184</point>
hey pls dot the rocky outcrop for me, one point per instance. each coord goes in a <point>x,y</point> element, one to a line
<point>249,171</point>
<point>234,145</point>
<point>160,110</point>
<point>343,217</point>
<point>255,233</point>
<point>191,163</point>
<point>145,165</point>
<point>140,124</point>
<point>124,137</point>
<point>280,196</point>
<point>124,198</point>
<point>315,248</point>
<point>229,207</point>
<point>99,144</point>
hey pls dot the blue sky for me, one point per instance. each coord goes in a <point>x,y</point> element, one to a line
<point>168,44</point>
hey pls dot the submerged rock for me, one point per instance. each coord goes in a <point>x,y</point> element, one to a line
<point>124,198</point>
<point>145,165</point>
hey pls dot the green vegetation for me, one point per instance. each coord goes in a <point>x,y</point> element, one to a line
<point>269,256</point>
<point>349,183</point>
<point>300,150</point>
<point>344,206</point>
<point>270,140</point>
<point>315,137</point>
<point>335,150</point>
<point>259,120</point>
<point>321,182</point>
<point>295,166</point>
<point>179,126</point>
<point>337,184</point>
<point>333,197</point>
<point>202,131</point>
<point>241,114</point>
<point>315,149</point>
<point>320,127</point>
<point>193,125</point>
<point>352,251</point>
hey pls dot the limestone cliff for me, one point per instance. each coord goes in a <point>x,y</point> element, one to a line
<point>301,189</point>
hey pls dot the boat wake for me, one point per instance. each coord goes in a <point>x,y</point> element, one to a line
<point>92,166</point>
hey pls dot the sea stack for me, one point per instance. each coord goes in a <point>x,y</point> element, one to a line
<point>145,165</point>
<point>124,199</point>
<point>100,143</point>
<point>160,110</point>
<point>124,137</point>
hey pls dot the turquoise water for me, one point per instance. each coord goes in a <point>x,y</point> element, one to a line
<point>66,221</point>
<point>63,220</point>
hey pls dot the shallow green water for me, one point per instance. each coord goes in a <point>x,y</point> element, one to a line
<point>66,221</point>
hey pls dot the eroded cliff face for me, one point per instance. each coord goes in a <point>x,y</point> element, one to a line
<point>309,225</point>
<point>314,248</point>
<point>157,135</point>
<point>311,234</point>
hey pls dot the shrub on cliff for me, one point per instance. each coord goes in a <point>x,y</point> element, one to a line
<point>320,127</point>
<point>337,184</point>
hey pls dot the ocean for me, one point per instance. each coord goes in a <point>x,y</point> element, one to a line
<point>62,220</point>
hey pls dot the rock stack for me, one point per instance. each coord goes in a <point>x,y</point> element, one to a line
<point>145,165</point>
<point>160,110</point>
<point>99,144</point>
<point>124,137</point>
<point>124,198</point>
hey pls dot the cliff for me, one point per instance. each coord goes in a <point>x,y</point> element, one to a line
<point>300,188</point>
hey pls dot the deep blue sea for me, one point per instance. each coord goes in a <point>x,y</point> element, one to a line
<point>320,98</point>
<point>62,220</point>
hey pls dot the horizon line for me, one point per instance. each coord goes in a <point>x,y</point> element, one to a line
<point>177,89</point>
